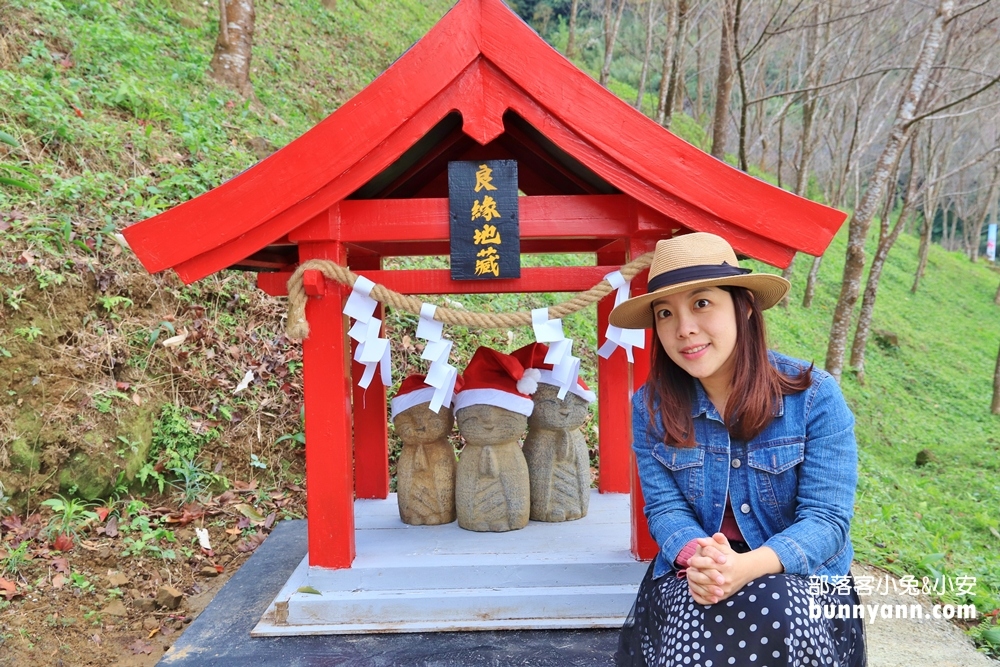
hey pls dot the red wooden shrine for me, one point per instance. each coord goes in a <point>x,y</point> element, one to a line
<point>370,182</point>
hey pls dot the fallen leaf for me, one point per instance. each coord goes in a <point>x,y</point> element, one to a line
<point>308,589</point>
<point>174,341</point>
<point>139,646</point>
<point>63,543</point>
<point>26,258</point>
<point>111,528</point>
<point>249,512</point>
<point>152,633</point>
<point>102,513</point>
<point>269,521</point>
<point>251,543</point>
<point>234,531</point>
<point>61,565</point>
<point>58,581</point>
<point>8,588</point>
<point>226,497</point>
<point>96,639</point>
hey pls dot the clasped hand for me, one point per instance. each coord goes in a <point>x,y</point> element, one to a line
<point>714,572</point>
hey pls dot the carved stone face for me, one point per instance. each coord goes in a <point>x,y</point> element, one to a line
<point>489,425</point>
<point>551,412</point>
<point>420,425</point>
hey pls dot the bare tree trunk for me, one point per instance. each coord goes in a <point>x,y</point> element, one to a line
<point>781,147</point>
<point>724,82</point>
<point>571,40</point>
<point>886,239</point>
<point>742,78</point>
<point>862,218</point>
<point>807,298</point>
<point>699,105</point>
<point>611,27</point>
<point>808,113</point>
<point>978,228</point>
<point>671,42</point>
<point>995,405</point>
<point>646,54</point>
<point>925,245</point>
<point>678,88</point>
<point>231,63</point>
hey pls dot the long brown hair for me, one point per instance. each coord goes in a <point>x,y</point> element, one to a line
<point>757,385</point>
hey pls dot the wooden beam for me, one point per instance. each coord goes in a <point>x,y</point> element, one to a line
<point>562,216</point>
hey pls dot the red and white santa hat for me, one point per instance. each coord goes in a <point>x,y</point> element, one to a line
<point>533,356</point>
<point>415,391</point>
<point>498,379</point>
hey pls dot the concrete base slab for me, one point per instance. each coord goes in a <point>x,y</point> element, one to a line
<point>219,637</point>
<point>575,574</point>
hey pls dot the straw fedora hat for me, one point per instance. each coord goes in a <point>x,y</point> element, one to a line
<point>695,260</point>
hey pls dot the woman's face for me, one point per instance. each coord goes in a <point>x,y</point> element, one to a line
<point>697,329</point>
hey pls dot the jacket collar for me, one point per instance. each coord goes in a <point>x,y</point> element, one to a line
<point>702,405</point>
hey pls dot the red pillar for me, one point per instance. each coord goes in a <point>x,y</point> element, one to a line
<point>327,380</point>
<point>643,546</point>
<point>371,426</point>
<point>614,391</point>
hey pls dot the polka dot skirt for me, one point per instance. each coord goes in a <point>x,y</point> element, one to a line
<point>767,623</point>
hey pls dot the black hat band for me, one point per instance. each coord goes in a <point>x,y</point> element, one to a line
<point>698,272</point>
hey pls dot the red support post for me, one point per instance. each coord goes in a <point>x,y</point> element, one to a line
<point>371,427</point>
<point>643,545</point>
<point>614,391</point>
<point>327,390</point>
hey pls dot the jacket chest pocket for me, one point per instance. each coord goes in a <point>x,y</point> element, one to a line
<point>775,473</point>
<point>687,465</point>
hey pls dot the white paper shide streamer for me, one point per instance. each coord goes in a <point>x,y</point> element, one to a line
<point>441,375</point>
<point>565,367</point>
<point>372,349</point>
<point>616,336</point>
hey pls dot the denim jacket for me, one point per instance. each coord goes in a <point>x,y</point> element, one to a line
<point>791,487</point>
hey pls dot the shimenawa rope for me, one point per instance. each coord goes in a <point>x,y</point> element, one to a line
<point>298,328</point>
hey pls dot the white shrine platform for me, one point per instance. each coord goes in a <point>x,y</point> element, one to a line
<point>575,574</point>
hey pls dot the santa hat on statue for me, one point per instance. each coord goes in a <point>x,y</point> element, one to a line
<point>533,356</point>
<point>498,379</point>
<point>415,391</point>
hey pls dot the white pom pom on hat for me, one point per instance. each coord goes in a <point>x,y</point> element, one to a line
<point>497,379</point>
<point>532,357</point>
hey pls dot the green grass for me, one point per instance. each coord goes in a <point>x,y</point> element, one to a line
<point>932,392</point>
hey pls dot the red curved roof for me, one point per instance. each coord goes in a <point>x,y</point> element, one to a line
<point>482,61</point>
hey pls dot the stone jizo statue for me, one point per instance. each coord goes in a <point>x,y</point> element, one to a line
<point>555,449</point>
<point>492,491</point>
<point>425,471</point>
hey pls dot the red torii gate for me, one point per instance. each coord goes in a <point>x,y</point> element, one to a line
<point>370,181</point>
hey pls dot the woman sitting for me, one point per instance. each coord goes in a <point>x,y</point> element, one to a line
<point>748,466</point>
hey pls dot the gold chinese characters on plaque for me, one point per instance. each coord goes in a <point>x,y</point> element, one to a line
<point>485,233</point>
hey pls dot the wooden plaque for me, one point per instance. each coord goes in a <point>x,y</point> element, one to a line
<point>485,231</point>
